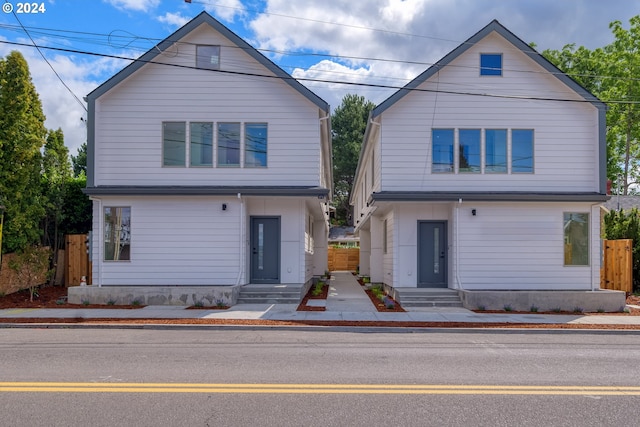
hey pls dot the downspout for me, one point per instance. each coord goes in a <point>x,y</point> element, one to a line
<point>593,288</point>
<point>99,236</point>
<point>241,242</point>
<point>457,251</point>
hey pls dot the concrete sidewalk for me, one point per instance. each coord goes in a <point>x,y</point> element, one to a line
<point>346,302</point>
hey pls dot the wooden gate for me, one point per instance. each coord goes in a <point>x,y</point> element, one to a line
<point>77,260</point>
<point>344,259</point>
<point>617,270</point>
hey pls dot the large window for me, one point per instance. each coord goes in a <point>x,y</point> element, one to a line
<point>173,143</point>
<point>117,233</point>
<point>228,144</point>
<point>208,57</point>
<point>576,238</point>
<point>469,150</point>
<point>522,151</point>
<point>201,147</point>
<point>490,64</point>
<point>442,142</point>
<point>255,144</point>
<point>495,150</point>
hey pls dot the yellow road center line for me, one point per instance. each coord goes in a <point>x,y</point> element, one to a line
<point>62,387</point>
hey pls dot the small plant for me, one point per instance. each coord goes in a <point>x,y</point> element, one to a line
<point>626,310</point>
<point>578,309</point>
<point>556,310</point>
<point>86,302</point>
<point>199,304</point>
<point>317,288</point>
<point>366,279</point>
<point>220,303</point>
<point>60,301</point>
<point>482,308</point>
<point>508,308</point>
<point>389,304</point>
<point>533,309</point>
<point>111,302</point>
<point>135,303</point>
<point>600,310</point>
<point>327,274</point>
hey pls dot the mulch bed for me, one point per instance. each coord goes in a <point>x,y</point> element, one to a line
<point>309,296</point>
<point>50,297</point>
<point>381,306</point>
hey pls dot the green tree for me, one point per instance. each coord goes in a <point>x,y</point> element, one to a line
<point>611,73</point>
<point>80,161</point>
<point>22,135</point>
<point>56,171</point>
<point>625,225</point>
<point>76,211</point>
<point>348,123</point>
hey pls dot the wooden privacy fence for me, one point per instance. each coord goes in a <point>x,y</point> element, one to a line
<point>76,260</point>
<point>617,268</point>
<point>344,259</point>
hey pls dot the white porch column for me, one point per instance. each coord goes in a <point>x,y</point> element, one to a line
<point>376,258</point>
<point>365,252</point>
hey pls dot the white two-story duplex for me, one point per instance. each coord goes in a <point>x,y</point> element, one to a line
<point>485,174</point>
<point>208,166</point>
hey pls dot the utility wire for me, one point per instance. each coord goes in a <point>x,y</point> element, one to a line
<point>131,38</point>
<point>48,63</point>
<point>265,76</point>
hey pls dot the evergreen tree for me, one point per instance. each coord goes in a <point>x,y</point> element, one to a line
<point>22,135</point>
<point>348,123</point>
<point>80,161</point>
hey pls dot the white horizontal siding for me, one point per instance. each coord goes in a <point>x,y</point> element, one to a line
<point>174,241</point>
<point>566,133</point>
<point>521,246</point>
<point>128,125</point>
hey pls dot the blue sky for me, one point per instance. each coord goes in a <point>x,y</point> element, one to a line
<point>377,41</point>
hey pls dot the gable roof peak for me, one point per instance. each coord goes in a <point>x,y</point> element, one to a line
<point>205,18</point>
<point>493,26</point>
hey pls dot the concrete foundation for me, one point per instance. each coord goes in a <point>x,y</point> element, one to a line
<point>589,301</point>
<point>205,296</point>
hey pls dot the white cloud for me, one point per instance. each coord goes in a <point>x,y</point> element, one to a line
<point>80,74</point>
<point>391,41</point>
<point>226,10</point>
<point>174,19</point>
<point>135,5</point>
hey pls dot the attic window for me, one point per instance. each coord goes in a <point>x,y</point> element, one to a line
<point>208,57</point>
<point>490,64</point>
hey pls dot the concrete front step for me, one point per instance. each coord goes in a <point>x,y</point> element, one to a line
<point>270,294</point>
<point>427,297</point>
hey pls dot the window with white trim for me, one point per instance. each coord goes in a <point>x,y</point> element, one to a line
<point>482,151</point>
<point>208,57</point>
<point>117,233</point>
<point>576,238</point>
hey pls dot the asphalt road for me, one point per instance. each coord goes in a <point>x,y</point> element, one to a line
<point>292,377</point>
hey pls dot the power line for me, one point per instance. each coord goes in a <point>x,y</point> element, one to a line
<point>133,37</point>
<point>265,76</point>
<point>48,63</point>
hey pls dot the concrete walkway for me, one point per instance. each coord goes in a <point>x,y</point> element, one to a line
<point>346,302</point>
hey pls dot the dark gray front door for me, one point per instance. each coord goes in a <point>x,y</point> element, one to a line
<point>265,250</point>
<point>432,254</point>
